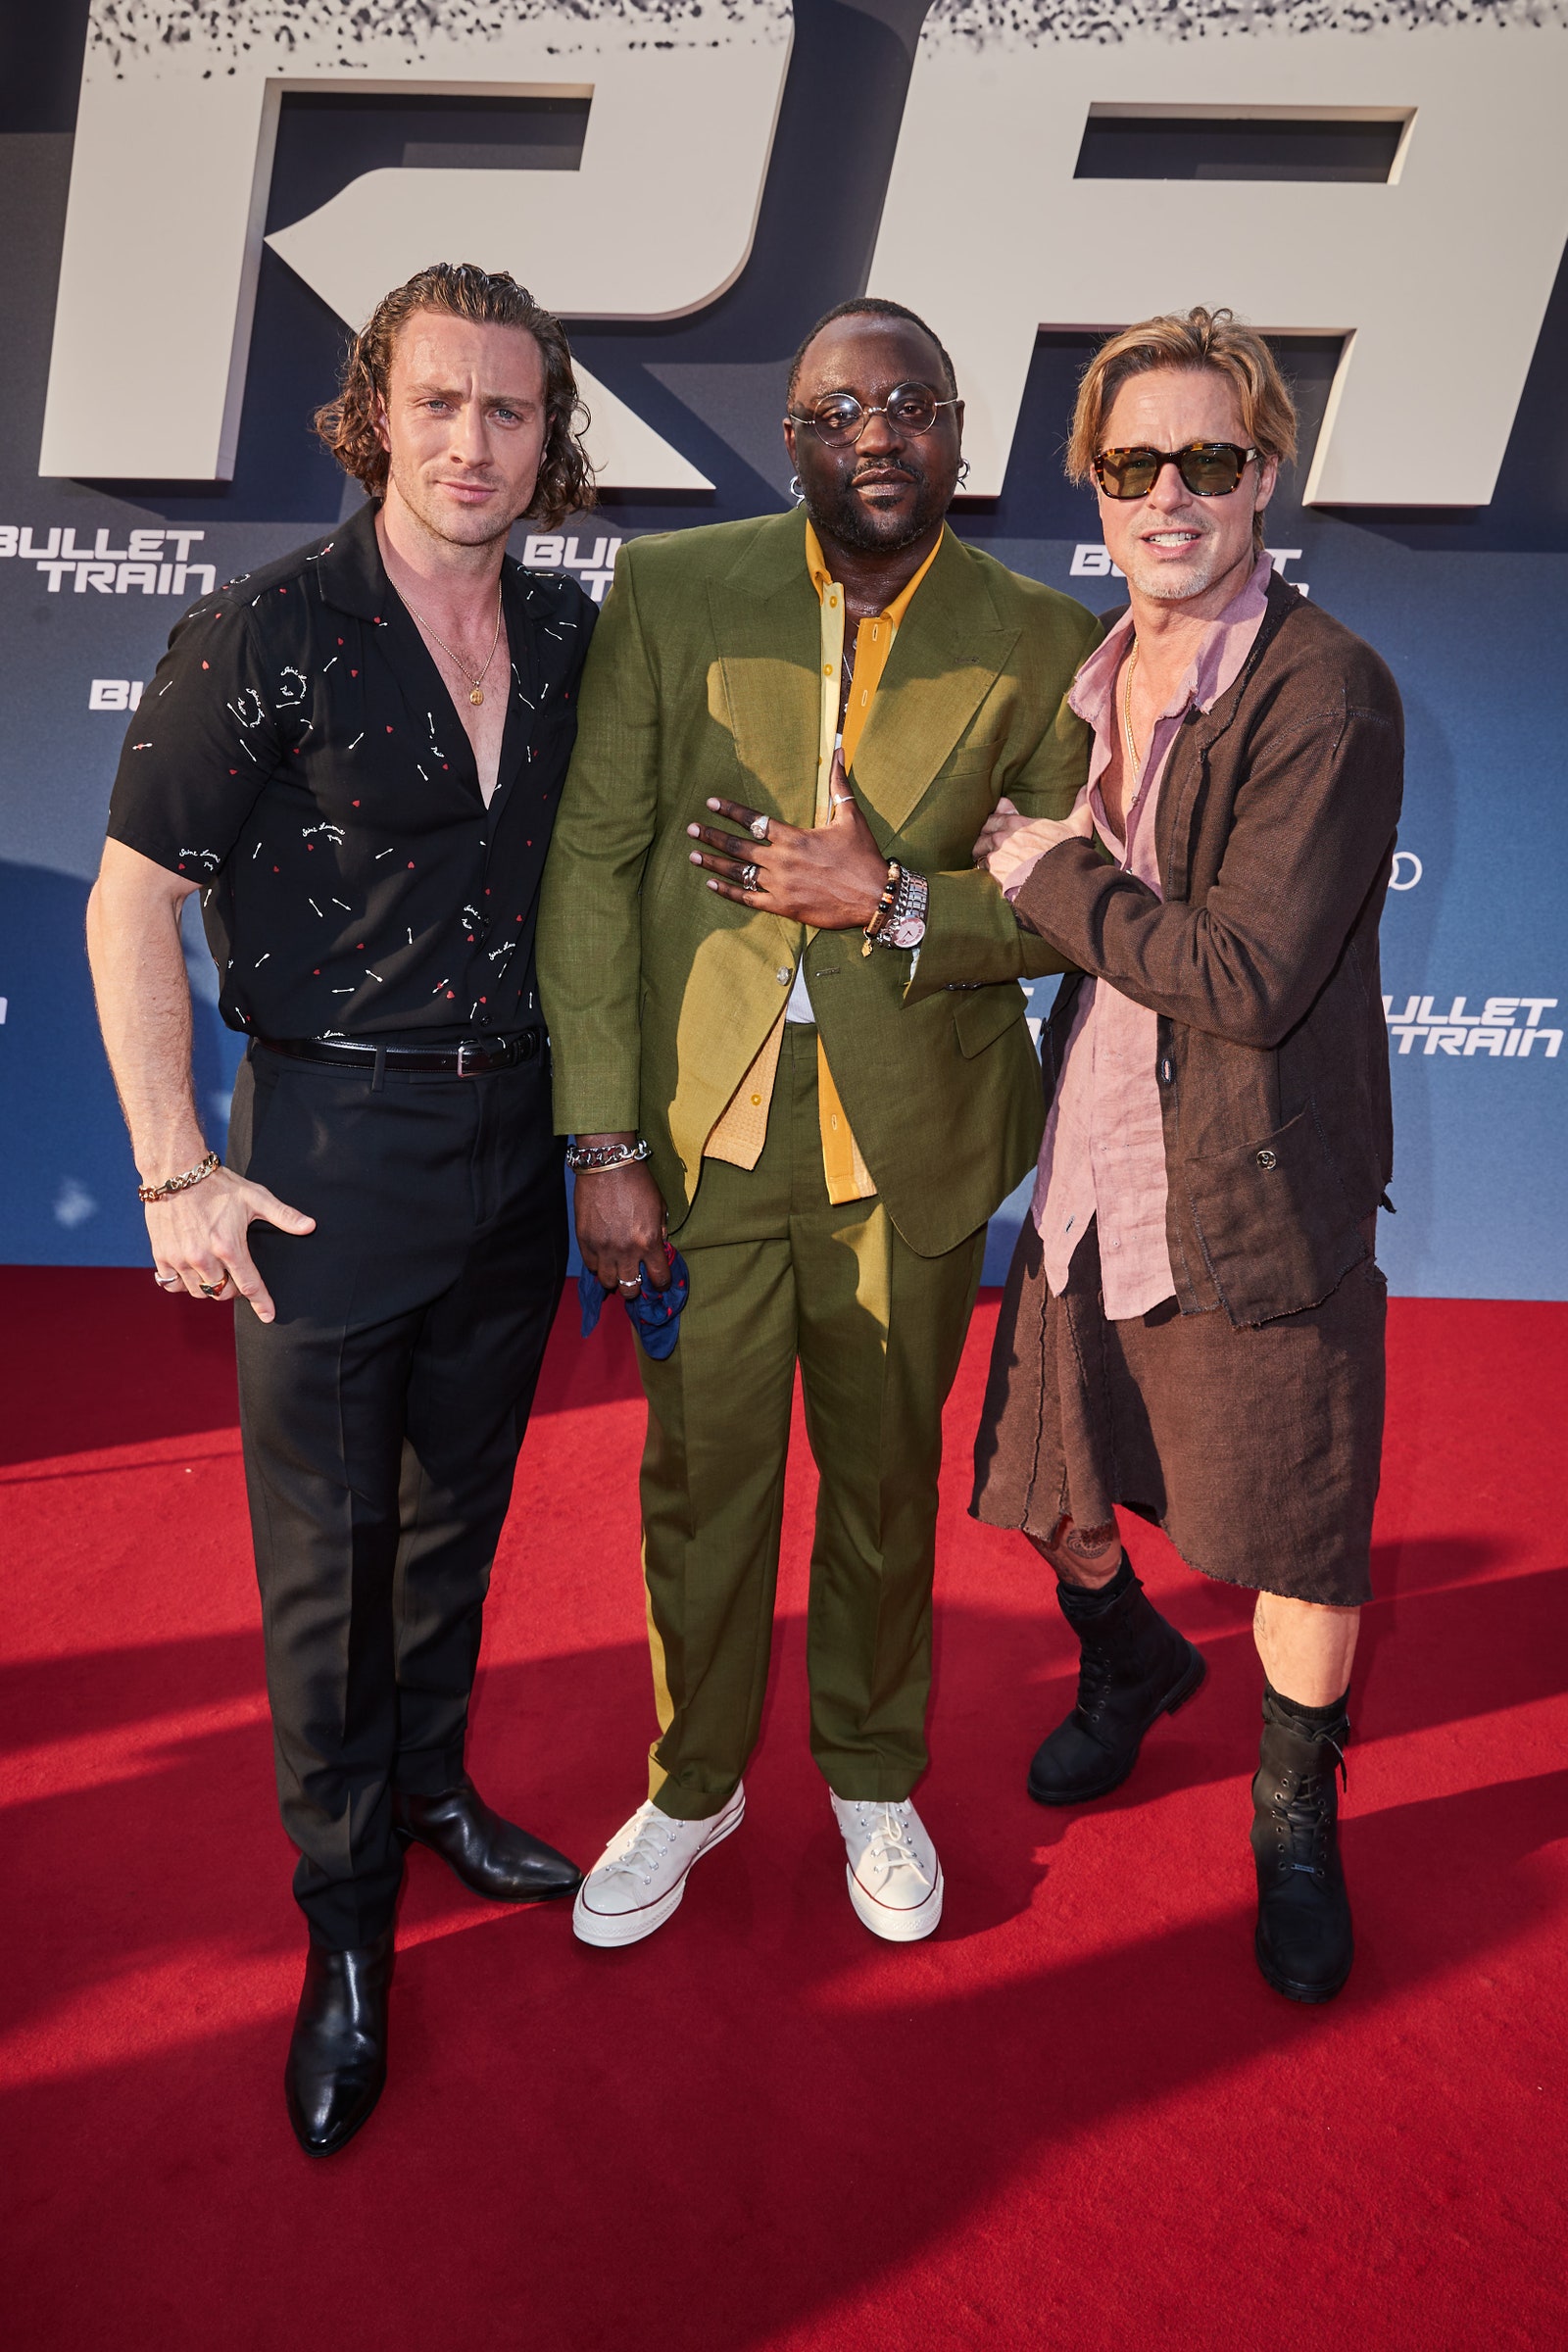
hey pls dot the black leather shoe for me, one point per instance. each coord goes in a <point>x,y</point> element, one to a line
<point>1304,1944</point>
<point>337,2058</point>
<point>489,1855</point>
<point>1134,1667</point>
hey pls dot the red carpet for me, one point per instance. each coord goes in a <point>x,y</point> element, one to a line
<point>1076,2118</point>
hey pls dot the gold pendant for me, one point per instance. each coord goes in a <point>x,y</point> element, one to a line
<point>477,696</point>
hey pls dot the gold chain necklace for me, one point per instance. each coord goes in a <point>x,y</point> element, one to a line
<point>475,679</point>
<point>1127,717</point>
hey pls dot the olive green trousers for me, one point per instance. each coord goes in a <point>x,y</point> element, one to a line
<point>780,1276</point>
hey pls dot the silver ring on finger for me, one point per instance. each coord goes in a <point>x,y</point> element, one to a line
<point>751,878</point>
<point>758,828</point>
<point>631,1282</point>
<point>169,1282</point>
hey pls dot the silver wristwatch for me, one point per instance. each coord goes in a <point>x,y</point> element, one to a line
<point>905,923</point>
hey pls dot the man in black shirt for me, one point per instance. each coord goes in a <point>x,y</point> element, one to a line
<point>354,754</point>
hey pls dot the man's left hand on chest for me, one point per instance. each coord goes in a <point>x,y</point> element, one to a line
<point>832,878</point>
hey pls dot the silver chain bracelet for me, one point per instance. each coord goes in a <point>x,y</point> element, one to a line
<point>592,1159</point>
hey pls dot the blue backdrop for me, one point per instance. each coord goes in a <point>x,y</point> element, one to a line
<point>1467,607</point>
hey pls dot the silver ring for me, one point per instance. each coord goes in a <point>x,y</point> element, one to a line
<point>750,879</point>
<point>758,828</point>
<point>632,1283</point>
<point>169,1282</point>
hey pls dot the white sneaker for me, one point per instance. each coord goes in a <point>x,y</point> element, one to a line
<point>639,1878</point>
<point>894,1875</point>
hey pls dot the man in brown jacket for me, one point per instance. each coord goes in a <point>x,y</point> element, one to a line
<point>1193,1322</point>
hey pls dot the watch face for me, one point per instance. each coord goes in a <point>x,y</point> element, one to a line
<point>908,933</point>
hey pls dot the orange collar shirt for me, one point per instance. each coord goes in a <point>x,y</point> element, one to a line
<point>742,1130</point>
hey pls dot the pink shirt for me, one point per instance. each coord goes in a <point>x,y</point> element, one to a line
<point>1103,1152</point>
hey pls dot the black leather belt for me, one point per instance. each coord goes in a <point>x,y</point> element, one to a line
<point>472,1060</point>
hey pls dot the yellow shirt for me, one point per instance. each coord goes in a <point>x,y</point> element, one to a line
<point>742,1129</point>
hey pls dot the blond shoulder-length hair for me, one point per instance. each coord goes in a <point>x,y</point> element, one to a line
<point>1201,339</point>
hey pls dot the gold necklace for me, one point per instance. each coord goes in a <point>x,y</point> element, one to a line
<point>1127,716</point>
<point>475,679</point>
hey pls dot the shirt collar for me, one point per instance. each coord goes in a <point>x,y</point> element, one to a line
<point>349,569</point>
<point>1215,666</point>
<point>353,574</point>
<point>816,563</point>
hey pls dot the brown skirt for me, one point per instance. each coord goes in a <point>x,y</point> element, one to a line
<point>1257,1451</point>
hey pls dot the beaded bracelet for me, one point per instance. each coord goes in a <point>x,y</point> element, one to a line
<point>884,906</point>
<point>592,1159</point>
<point>180,1184</point>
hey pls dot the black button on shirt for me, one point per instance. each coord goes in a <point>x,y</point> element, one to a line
<point>298,755</point>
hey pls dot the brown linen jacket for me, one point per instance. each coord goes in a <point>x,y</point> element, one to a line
<point>1274,833</point>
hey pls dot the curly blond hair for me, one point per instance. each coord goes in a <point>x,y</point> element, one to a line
<point>1201,339</point>
<point>348,424</point>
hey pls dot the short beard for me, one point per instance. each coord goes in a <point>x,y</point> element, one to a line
<point>867,533</point>
<point>1166,585</point>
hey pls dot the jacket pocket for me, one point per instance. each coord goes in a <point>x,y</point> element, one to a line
<point>1274,1221</point>
<point>981,1015</point>
<point>973,759</point>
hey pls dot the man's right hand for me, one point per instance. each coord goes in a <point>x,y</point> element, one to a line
<point>199,1237</point>
<point>622,1222</point>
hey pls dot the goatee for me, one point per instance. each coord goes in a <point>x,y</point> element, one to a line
<point>1164,583</point>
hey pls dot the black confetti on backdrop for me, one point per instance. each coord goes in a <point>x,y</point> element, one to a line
<point>1026,23</point>
<point>129,32</point>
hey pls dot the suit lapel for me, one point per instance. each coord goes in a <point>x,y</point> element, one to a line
<point>766,624</point>
<point>945,660</point>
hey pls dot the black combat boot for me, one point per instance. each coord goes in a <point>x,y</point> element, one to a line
<point>1134,1668</point>
<point>1304,1944</point>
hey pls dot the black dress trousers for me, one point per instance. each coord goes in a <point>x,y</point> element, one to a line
<point>381,1416</point>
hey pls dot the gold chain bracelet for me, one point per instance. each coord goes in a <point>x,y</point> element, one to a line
<point>180,1184</point>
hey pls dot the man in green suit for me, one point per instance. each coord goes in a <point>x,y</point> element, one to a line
<point>787,1029</point>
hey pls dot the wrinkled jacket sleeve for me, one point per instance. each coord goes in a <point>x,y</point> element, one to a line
<point>973,935</point>
<point>590,930</point>
<point>1313,826</point>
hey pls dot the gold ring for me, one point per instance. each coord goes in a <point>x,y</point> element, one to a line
<point>214,1289</point>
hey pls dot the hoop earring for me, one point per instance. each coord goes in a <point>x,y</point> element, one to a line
<point>964,472</point>
<point>796,492</point>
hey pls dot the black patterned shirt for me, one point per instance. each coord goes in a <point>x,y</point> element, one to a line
<point>299,756</point>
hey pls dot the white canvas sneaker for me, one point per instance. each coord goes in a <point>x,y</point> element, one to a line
<point>639,1878</point>
<point>894,1875</point>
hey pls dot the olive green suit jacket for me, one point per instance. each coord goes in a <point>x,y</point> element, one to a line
<point>703,678</point>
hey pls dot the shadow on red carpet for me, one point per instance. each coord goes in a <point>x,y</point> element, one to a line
<point>1075,2117</point>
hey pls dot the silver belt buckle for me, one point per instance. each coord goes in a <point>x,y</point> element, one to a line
<point>464,1050</point>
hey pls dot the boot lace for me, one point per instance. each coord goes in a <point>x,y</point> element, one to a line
<point>1096,1670</point>
<point>1300,1813</point>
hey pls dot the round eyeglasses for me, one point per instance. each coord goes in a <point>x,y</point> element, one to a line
<point>841,420</point>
